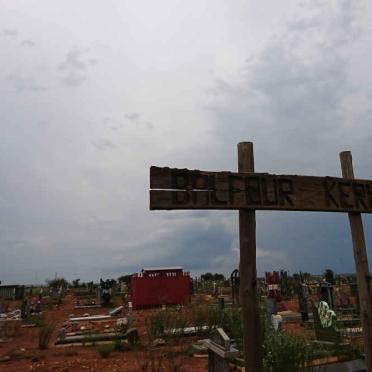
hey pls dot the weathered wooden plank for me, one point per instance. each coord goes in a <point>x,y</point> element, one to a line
<point>249,300</point>
<point>361,263</point>
<point>184,189</point>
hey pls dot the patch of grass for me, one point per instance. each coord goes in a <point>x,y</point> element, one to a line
<point>117,344</point>
<point>105,350</point>
<point>285,352</point>
<point>149,361</point>
<point>173,364</point>
<point>197,316</point>
<point>45,334</point>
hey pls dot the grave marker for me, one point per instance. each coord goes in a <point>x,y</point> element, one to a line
<point>247,191</point>
<point>219,351</point>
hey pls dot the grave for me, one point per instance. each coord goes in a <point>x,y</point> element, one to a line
<point>303,298</point>
<point>116,312</point>
<point>9,328</point>
<point>247,191</point>
<point>219,351</point>
<point>327,294</point>
<point>235,284</point>
<point>130,314</point>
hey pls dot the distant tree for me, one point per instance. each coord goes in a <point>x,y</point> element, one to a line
<point>329,276</point>
<point>218,276</point>
<point>210,276</point>
<point>57,283</point>
<point>75,283</point>
<point>124,279</point>
<point>306,277</point>
<point>207,276</point>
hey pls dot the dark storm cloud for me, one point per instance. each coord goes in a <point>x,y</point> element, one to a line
<point>197,246</point>
<point>74,198</point>
<point>292,101</point>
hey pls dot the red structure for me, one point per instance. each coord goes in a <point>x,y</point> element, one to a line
<point>272,284</point>
<point>160,286</point>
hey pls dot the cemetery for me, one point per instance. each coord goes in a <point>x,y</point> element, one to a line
<point>163,319</point>
<point>310,323</point>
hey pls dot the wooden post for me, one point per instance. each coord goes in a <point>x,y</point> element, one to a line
<point>252,338</point>
<point>361,263</point>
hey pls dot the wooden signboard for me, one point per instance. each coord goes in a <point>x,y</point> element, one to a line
<point>193,189</point>
<point>247,192</point>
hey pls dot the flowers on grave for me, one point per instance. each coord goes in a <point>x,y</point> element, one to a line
<point>327,316</point>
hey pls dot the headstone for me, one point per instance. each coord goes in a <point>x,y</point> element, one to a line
<point>38,306</point>
<point>132,336</point>
<point>303,295</point>
<point>276,319</point>
<point>355,293</point>
<point>235,286</point>
<point>62,334</point>
<point>130,314</point>
<point>220,351</point>
<point>123,287</point>
<point>272,284</point>
<point>25,309</point>
<point>327,295</point>
<point>271,306</point>
<point>325,323</point>
<point>221,304</point>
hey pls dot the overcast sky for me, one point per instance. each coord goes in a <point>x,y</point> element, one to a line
<point>93,93</point>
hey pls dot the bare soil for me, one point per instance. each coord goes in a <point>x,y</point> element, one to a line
<point>26,355</point>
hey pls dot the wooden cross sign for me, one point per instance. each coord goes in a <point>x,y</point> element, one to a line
<point>248,191</point>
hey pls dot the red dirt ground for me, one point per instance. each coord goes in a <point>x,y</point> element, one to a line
<point>79,358</point>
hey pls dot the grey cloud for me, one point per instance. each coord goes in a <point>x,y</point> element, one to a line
<point>11,33</point>
<point>104,144</point>
<point>294,102</point>
<point>23,84</point>
<point>28,43</point>
<point>74,79</point>
<point>75,67</point>
<point>109,121</point>
<point>292,97</point>
<point>133,116</point>
<point>73,61</point>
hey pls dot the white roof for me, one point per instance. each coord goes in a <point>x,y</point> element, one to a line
<point>170,268</point>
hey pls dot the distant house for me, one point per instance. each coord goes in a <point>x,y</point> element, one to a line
<point>12,292</point>
<point>160,286</point>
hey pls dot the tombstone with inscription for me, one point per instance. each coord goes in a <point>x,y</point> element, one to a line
<point>220,351</point>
